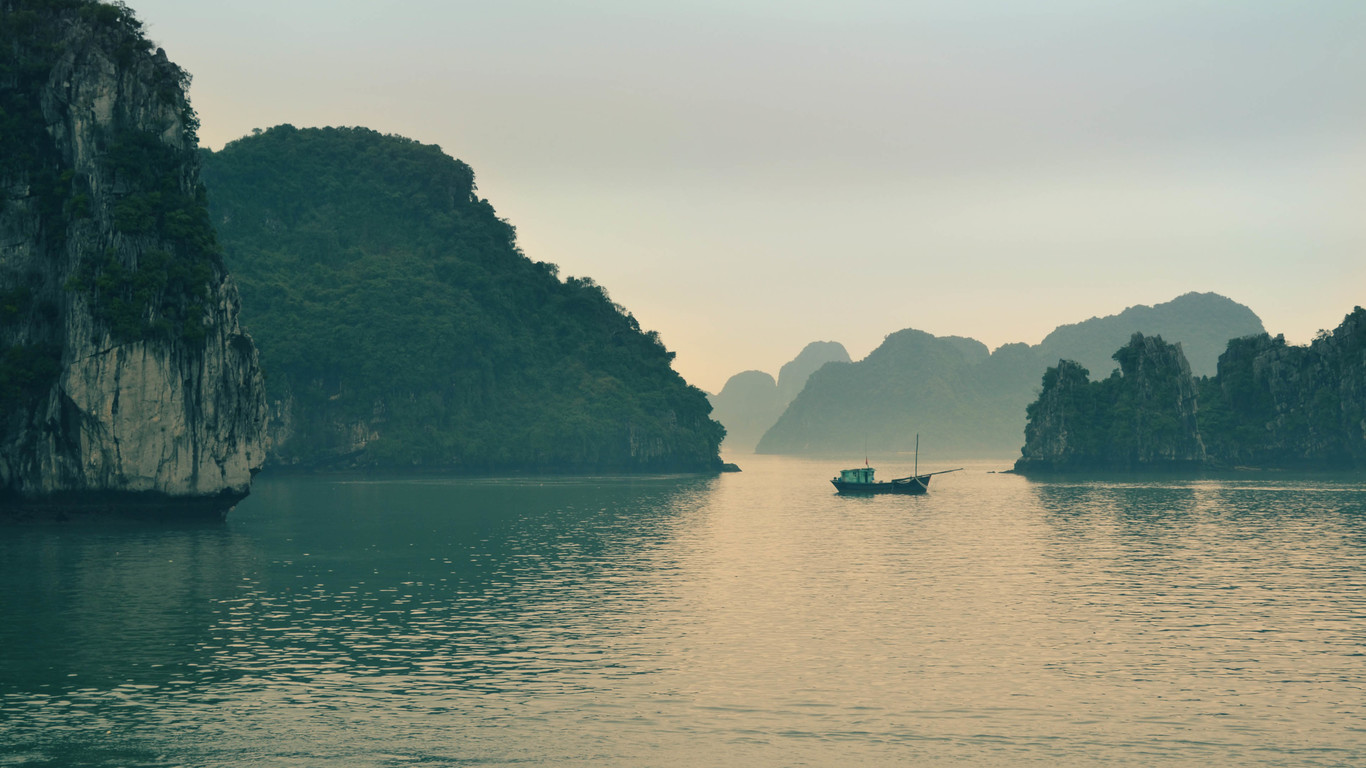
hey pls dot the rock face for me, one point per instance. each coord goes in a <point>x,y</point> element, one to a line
<point>126,376</point>
<point>1275,404</point>
<point>1271,405</point>
<point>1141,417</point>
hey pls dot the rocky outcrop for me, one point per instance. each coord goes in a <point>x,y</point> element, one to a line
<point>1155,407</point>
<point>127,376</point>
<point>1275,404</point>
<point>1271,405</point>
<point>1143,417</point>
<point>1061,420</point>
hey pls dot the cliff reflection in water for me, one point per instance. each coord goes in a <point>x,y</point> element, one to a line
<point>462,584</point>
<point>1232,593</point>
<point>107,603</point>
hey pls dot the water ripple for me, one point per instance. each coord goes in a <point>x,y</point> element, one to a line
<point>753,618</point>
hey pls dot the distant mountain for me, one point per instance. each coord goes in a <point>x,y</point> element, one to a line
<point>792,376</point>
<point>967,402</point>
<point>747,406</point>
<point>751,401</point>
<point>914,382</point>
<point>400,326</point>
<point>1202,322</point>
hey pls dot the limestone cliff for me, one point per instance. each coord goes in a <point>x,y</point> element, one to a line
<point>1271,405</point>
<point>1142,417</point>
<point>1275,404</point>
<point>125,374</point>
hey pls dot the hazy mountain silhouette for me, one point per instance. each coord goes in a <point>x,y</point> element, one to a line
<point>1202,322</point>
<point>751,401</point>
<point>792,376</point>
<point>968,402</point>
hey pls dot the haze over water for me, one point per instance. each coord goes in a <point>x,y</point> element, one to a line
<point>749,619</point>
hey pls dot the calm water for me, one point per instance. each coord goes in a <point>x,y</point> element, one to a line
<point>752,619</point>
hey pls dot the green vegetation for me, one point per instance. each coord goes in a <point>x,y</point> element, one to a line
<point>1075,400</point>
<point>164,293</point>
<point>392,306</point>
<point>26,372</point>
<point>1270,405</point>
<point>1282,405</point>
<point>1142,415</point>
<point>160,293</point>
<point>149,283</point>
<point>26,369</point>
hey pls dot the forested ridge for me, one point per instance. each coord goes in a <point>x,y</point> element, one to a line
<point>399,324</point>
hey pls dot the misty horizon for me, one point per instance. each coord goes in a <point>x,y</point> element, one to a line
<point>748,178</point>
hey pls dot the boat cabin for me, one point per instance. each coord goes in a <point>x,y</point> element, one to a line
<point>860,475</point>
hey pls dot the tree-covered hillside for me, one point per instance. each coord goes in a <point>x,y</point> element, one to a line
<point>1142,416</point>
<point>399,324</point>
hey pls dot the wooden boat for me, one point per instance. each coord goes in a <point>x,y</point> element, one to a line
<point>860,479</point>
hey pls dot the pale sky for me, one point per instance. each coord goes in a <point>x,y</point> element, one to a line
<point>749,176</point>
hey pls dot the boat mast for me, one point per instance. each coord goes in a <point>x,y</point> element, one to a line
<point>917,454</point>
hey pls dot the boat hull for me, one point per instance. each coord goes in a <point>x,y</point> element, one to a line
<point>911,486</point>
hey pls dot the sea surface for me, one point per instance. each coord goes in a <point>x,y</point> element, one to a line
<point>751,619</point>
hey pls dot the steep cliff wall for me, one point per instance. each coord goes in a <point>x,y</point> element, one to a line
<point>1275,404</point>
<point>1142,417</point>
<point>1271,405</point>
<point>125,374</point>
